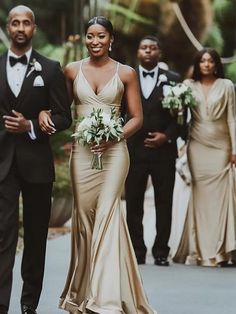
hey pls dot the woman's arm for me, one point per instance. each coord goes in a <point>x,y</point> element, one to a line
<point>231,119</point>
<point>133,101</point>
<point>45,122</point>
<point>70,72</point>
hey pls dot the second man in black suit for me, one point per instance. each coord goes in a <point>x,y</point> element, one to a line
<point>152,152</point>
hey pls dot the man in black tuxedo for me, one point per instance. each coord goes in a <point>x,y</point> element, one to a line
<point>29,83</point>
<point>152,152</point>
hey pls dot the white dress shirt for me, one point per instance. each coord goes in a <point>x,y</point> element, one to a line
<point>15,78</point>
<point>147,83</point>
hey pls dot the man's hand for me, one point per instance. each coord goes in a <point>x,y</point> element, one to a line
<point>155,139</point>
<point>16,123</point>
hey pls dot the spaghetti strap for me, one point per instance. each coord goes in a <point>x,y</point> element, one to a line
<point>80,65</point>
<point>117,67</point>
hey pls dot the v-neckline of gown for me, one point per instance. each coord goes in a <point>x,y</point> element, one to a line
<point>206,96</point>
<point>112,78</point>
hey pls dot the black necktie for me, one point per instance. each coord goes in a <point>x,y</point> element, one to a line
<point>13,60</point>
<point>148,73</point>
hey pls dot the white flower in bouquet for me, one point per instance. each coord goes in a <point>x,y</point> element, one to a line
<point>166,90</point>
<point>99,126</point>
<point>179,89</point>
<point>85,124</point>
<point>176,98</point>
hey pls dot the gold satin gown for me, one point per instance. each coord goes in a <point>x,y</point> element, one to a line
<point>209,235</point>
<point>103,275</point>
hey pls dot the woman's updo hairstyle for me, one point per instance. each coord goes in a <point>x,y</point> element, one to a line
<point>103,21</point>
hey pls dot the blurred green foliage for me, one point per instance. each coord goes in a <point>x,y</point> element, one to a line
<point>52,51</point>
<point>225,17</point>
<point>60,144</point>
<point>52,17</point>
<point>62,185</point>
<point>230,71</point>
<point>56,20</point>
<point>214,38</point>
<point>2,48</point>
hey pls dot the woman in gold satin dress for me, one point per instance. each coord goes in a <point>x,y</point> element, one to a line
<point>103,275</point>
<point>209,235</point>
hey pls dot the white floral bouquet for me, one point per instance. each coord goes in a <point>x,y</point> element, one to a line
<point>99,126</point>
<point>176,98</point>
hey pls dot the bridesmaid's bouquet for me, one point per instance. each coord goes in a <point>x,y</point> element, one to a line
<point>98,127</point>
<point>176,98</point>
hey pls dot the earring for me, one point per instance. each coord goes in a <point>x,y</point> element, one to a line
<point>110,47</point>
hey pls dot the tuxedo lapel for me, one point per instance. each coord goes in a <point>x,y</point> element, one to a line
<point>160,71</point>
<point>3,73</point>
<point>28,80</point>
<point>4,86</point>
<point>155,98</point>
<point>157,89</point>
<point>139,80</point>
<point>158,84</point>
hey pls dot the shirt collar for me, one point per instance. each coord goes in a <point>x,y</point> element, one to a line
<point>155,70</point>
<point>27,53</point>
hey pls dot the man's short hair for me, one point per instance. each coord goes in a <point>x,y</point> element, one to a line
<point>20,8</point>
<point>153,38</point>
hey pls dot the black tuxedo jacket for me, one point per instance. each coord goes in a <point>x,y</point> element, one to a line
<point>156,119</point>
<point>33,157</point>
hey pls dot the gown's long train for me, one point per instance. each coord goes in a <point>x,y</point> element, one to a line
<point>103,275</point>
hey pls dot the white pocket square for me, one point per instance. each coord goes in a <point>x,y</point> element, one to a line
<point>38,81</point>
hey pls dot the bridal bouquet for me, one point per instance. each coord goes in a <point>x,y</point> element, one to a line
<point>176,98</point>
<point>99,126</point>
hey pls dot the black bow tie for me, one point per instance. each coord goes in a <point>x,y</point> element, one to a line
<point>13,60</point>
<point>148,73</point>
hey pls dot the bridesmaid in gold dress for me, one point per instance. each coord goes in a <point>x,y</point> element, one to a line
<point>103,275</point>
<point>209,235</point>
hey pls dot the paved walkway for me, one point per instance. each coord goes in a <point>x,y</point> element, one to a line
<point>177,289</point>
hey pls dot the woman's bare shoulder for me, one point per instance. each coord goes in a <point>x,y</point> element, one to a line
<point>71,70</point>
<point>126,72</point>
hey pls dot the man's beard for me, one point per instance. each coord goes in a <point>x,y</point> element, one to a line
<point>22,44</point>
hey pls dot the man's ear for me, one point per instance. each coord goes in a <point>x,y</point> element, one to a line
<point>35,29</point>
<point>7,28</point>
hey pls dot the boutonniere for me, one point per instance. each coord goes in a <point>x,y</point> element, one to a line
<point>162,79</point>
<point>35,66</point>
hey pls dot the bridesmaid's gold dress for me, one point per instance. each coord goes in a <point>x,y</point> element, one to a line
<point>103,275</point>
<point>209,235</point>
